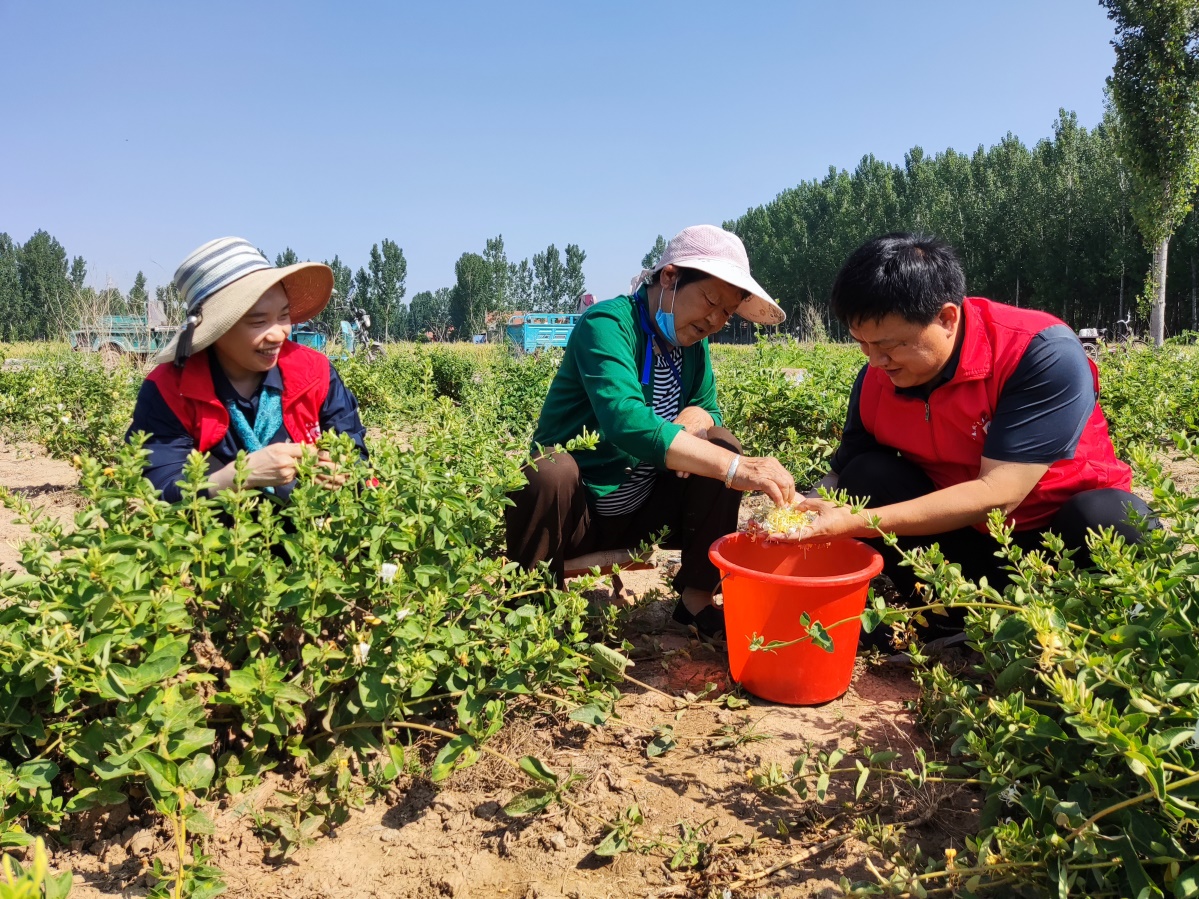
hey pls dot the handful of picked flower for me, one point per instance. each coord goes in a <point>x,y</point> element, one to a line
<point>787,521</point>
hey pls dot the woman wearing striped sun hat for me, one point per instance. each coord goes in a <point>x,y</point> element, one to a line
<point>637,373</point>
<point>230,380</point>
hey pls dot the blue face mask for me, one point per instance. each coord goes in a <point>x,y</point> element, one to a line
<point>665,320</point>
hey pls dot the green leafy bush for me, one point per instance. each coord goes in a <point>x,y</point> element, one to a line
<point>1083,720</point>
<point>183,650</point>
<point>788,401</point>
<point>68,402</point>
<point>34,882</point>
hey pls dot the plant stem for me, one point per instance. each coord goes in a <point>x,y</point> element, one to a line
<point>796,859</point>
<point>1135,800</point>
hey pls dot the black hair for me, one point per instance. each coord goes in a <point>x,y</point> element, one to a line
<point>689,276</point>
<point>909,275</point>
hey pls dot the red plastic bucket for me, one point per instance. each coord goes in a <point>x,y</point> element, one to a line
<point>767,587</point>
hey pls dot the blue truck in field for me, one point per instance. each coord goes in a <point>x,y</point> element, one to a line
<point>530,331</point>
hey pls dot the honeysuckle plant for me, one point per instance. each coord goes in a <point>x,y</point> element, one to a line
<point>179,651</point>
<point>1079,722</point>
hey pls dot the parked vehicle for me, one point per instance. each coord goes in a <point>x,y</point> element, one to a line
<point>1093,339</point>
<point>529,331</point>
<point>310,334</point>
<point>119,335</point>
<point>355,334</point>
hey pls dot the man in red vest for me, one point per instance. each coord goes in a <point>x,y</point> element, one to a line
<point>965,406</point>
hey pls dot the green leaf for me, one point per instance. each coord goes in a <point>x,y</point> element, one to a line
<point>820,637</point>
<point>860,785</point>
<point>607,662</point>
<point>662,743</point>
<point>1134,870</point>
<point>1187,884</point>
<point>462,747</point>
<point>197,772</point>
<point>395,766</point>
<point>537,770</point>
<point>613,844</point>
<point>593,714</point>
<point>162,775</point>
<point>530,801</point>
<point>1012,675</point>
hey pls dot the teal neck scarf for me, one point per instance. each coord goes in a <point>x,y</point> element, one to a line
<point>266,423</point>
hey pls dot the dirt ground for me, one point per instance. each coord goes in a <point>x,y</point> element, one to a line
<point>48,483</point>
<point>454,841</point>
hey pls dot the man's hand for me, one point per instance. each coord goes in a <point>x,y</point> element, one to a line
<point>832,522</point>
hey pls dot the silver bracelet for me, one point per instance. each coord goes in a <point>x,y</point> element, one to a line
<point>732,472</point>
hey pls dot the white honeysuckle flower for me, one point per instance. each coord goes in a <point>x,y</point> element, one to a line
<point>361,651</point>
<point>1136,611</point>
<point>1195,737</point>
<point>1011,793</point>
<point>56,673</point>
<point>402,614</point>
<point>387,571</point>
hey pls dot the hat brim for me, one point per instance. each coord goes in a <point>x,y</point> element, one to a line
<point>309,286</point>
<point>758,307</point>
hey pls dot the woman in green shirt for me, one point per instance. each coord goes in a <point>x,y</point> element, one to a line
<point>637,373</point>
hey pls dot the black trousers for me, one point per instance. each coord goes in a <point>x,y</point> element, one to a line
<point>886,478</point>
<point>552,521</point>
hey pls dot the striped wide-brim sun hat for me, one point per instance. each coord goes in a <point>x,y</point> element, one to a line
<point>222,280</point>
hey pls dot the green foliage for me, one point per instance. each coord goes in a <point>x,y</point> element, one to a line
<point>1155,91</point>
<point>1080,722</point>
<point>473,290</point>
<point>1147,394</point>
<point>1083,722</point>
<point>34,882</point>
<point>68,402</point>
<point>317,633</point>
<point>798,418</point>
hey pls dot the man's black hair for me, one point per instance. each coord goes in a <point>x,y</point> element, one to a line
<point>909,275</point>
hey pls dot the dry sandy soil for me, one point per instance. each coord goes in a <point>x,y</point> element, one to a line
<point>453,840</point>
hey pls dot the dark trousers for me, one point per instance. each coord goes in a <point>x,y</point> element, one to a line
<point>888,478</point>
<point>552,521</point>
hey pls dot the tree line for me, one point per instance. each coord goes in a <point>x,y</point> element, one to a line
<point>1049,226</point>
<point>43,295</point>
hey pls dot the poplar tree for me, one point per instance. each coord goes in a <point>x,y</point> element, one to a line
<point>1155,91</point>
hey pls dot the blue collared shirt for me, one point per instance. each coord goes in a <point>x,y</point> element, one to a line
<point>170,444</point>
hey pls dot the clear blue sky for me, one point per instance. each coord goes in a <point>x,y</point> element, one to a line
<point>135,131</point>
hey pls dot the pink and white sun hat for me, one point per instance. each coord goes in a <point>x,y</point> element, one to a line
<point>722,255</point>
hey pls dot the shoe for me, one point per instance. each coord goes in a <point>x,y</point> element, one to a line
<point>709,620</point>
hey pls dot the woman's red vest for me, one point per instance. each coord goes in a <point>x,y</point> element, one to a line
<point>189,393</point>
<point>945,434</point>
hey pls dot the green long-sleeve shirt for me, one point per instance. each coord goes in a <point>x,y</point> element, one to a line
<point>598,387</point>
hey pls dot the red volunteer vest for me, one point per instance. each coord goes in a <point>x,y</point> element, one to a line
<point>945,435</point>
<point>190,395</point>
